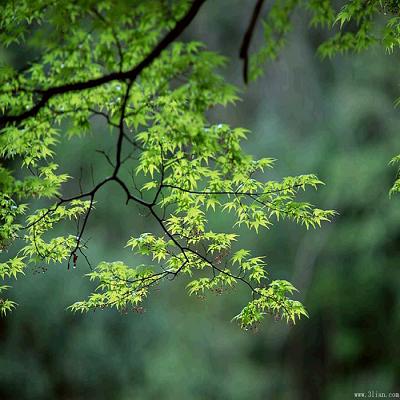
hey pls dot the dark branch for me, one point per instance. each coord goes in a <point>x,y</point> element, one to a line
<point>244,48</point>
<point>48,94</point>
<point>232,193</point>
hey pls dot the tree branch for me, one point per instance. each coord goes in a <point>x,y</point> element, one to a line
<point>48,94</point>
<point>244,48</point>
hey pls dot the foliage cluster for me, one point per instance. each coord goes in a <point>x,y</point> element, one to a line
<point>154,93</point>
<point>157,112</point>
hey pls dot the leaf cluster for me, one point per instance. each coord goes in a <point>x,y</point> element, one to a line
<point>187,167</point>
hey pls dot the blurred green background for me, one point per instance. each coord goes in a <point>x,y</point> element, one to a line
<point>334,118</point>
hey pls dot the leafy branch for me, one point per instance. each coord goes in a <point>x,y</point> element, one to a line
<point>167,159</point>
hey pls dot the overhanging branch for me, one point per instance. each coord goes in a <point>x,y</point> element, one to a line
<point>132,74</point>
<point>244,48</point>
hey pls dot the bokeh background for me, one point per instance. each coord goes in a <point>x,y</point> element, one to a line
<point>335,118</point>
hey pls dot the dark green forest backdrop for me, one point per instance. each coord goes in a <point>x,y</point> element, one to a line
<point>335,118</point>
